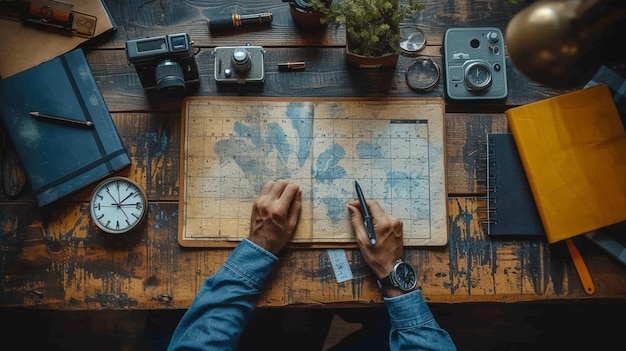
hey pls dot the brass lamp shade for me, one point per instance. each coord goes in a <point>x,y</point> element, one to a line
<point>559,43</point>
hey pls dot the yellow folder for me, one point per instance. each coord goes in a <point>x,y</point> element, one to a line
<point>573,149</point>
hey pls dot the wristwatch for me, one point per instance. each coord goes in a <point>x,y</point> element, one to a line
<point>402,276</point>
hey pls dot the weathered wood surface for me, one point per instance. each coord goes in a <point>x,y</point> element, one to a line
<point>55,258</point>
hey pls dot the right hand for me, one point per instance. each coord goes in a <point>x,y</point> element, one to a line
<point>389,246</point>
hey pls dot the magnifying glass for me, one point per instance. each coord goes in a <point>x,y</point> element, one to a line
<point>422,74</point>
<point>412,39</point>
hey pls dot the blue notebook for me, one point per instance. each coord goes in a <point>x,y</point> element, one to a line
<point>612,239</point>
<point>60,158</point>
<point>511,209</point>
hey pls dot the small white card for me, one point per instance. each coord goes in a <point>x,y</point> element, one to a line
<point>340,264</point>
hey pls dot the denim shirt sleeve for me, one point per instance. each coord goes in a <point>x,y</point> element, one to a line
<point>413,326</point>
<point>224,305</point>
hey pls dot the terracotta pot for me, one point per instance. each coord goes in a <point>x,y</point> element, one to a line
<point>303,14</point>
<point>360,61</point>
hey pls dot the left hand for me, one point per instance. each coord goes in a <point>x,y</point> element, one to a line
<point>275,214</point>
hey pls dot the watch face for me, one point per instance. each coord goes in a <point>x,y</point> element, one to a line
<point>118,205</point>
<point>405,276</point>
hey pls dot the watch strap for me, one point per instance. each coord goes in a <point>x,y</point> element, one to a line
<point>384,282</point>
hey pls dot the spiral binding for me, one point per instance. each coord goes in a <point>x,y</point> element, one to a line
<point>489,179</point>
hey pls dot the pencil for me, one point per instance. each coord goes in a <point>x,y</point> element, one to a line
<point>75,122</point>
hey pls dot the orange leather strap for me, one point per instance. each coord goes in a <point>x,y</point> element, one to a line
<point>581,268</point>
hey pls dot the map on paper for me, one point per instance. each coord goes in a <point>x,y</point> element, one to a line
<point>232,146</point>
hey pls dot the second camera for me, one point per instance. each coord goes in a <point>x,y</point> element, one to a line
<point>474,62</point>
<point>239,65</point>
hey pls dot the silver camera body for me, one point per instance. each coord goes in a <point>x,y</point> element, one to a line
<point>243,65</point>
<point>475,64</point>
<point>165,63</point>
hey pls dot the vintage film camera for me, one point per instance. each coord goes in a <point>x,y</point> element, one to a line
<point>165,63</point>
<point>475,66</point>
<point>239,65</point>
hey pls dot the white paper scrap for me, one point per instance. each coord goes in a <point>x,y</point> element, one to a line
<point>340,264</point>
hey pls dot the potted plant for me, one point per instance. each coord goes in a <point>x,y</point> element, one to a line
<point>372,28</point>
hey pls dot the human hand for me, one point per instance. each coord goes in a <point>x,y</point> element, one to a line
<point>389,246</point>
<point>275,214</point>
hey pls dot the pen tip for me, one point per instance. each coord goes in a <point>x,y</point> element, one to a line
<point>372,241</point>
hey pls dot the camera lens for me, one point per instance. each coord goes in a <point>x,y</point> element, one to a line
<point>169,78</point>
<point>241,60</point>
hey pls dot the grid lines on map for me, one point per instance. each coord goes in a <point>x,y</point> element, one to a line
<point>231,148</point>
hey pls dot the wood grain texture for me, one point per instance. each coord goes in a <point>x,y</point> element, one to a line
<point>326,75</point>
<point>149,270</point>
<point>54,258</point>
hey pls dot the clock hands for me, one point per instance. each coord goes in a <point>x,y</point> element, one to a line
<point>118,205</point>
<point>115,203</point>
<point>126,198</point>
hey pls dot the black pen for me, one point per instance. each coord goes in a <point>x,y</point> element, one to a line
<point>70,121</point>
<point>367,218</point>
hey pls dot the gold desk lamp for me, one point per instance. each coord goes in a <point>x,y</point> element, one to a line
<point>562,43</point>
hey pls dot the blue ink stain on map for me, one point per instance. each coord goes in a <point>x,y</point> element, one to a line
<point>399,185</point>
<point>366,150</point>
<point>254,133</point>
<point>327,166</point>
<point>302,121</point>
<point>327,169</point>
<point>335,208</point>
<point>245,152</point>
<point>276,137</point>
<point>253,144</point>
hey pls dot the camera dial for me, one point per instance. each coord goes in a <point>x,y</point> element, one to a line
<point>169,77</point>
<point>477,76</point>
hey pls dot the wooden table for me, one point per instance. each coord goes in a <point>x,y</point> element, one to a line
<point>54,258</point>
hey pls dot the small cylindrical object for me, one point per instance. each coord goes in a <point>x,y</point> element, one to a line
<point>291,65</point>
<point>237,20</point>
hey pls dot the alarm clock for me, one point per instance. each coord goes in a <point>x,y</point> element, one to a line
<point>118,205</point>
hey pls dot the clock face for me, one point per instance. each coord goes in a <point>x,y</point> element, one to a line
<point>405,276</point>
<point>477,76</point>
<point>118,205</point>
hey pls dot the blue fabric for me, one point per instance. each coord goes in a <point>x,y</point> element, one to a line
<point>413,326</point>
<point>226,301</point>
<point>224,305</point>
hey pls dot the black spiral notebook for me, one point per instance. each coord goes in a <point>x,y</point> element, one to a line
<point>60,157</point>
<point>511,209</point>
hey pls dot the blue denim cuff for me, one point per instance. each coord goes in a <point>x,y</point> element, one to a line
<point>408,310</point>
<point>251,262</point>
